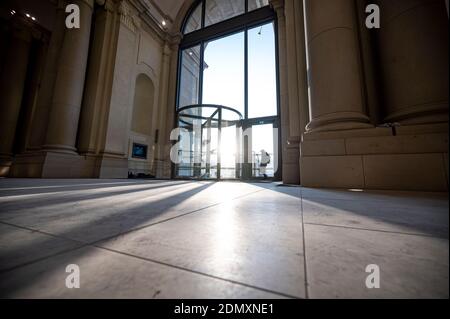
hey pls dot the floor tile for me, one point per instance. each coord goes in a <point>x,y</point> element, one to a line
<point>89,215</point>
<point>245,240</point>
<point>388,216</point>
<point>410,266</point>
<point>19,246</point>
<point>105,274</point>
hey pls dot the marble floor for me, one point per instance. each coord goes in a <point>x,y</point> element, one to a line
<point>180,239</point>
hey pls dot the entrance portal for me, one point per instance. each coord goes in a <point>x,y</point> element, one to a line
<point>209,142</point>
<point>215,142</point>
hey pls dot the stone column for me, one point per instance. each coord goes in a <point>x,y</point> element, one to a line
<point>413,46</point>
<point>68,91</point>
<point>335,72</point>
<point>94,113</point>
<point>11,87</point>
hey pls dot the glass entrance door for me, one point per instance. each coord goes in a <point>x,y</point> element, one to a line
<point>233,70</point>
<point>208,144</point>
<point>260,150</point>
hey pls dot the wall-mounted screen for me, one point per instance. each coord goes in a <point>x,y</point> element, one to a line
<point>139,151</point>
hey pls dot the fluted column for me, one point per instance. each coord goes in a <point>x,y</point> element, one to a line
<point>413,46</point>
<point>68,91</point>
<point>11,87</point>
<point>335,74</point>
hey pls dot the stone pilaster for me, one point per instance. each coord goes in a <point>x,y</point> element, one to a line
<point>289,166</point>
<point>36,67</point>
<point>44,101</point>
<point>162,110</point>
<point>11,87</point>
<point>173,42</point>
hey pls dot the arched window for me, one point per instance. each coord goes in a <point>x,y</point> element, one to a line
<point>228,57</point>
<point>217,11</point>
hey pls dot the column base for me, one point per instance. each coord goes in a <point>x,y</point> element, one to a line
<point>339,121</point>
<point>46,164</point>
<point>5,165</point>
<point>291,171</point>
<point>421,114</point>
<point>414,159</point>
<point>111,166</point>
<point>163,169</point>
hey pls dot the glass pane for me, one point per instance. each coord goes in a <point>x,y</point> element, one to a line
<point>256,4</point>
<point>264,157</point>
<point>262,87</point>
<point>229,151</point>
<point>185,150</point>
<point>219,10</point>
<point>223,75</point>
<point>210,141</point>
<point>194,21</point>
<point>189,77</point>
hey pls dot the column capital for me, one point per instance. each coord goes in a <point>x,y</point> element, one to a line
<point>278,6</point>
<point>109,5</point>
<point>126,16</point>
<point>173,40</point>
<point>61,4</point>
<point>166,48</point>
<point>90,3</point>
<point>22,33</point>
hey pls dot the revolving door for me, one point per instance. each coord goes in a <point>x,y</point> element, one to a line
<point>209,142</point>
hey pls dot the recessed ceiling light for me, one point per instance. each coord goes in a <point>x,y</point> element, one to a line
<point>163,22</point>
<point>27,15</point>
<point>190,52</point>
<point>13,12</point>
<point>33,18</point>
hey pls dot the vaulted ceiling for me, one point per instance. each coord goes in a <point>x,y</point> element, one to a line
<point>169,7</point>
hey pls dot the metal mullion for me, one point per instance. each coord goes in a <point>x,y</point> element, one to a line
<point>246,73</point>
<point>200,80</point>
<point>203,14</point>
<point>228,26</point>
<point>219,144</point>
